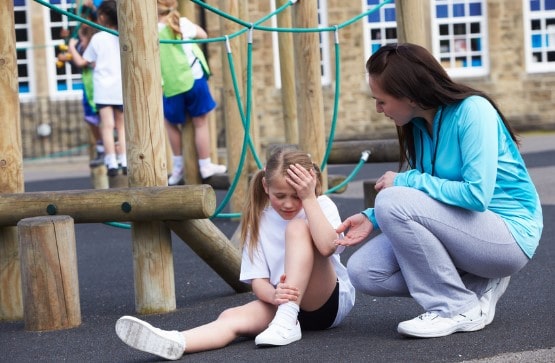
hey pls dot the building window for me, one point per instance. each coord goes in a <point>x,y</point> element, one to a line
<point>459,36</point>
<point>459,33</point>
<point>539,35</point>
<point>24,51</point>
<point>325,66</point>
<point>65,79</point>
<point>380,27</point>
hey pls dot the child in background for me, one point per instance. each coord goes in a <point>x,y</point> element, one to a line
<point>289,258</point>
<point>186,91</point>
<point>92,119</point>
<point>103,54</point>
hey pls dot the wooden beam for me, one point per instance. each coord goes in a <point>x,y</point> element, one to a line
<point>349,152</point>
<point>207,241</point>
<point>117,205</point>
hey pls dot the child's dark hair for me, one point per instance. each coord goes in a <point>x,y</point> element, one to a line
<point>257,199</point>
<point>108,9</point>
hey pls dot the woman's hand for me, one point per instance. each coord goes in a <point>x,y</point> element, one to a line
<point>385,181</point>
<point>285,293</point>
<point>302,180</point>
<point>356,229</point>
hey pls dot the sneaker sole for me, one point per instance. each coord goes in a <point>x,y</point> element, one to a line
<point>262,344</point>
<point>140,335</point>
<point>466,327</point>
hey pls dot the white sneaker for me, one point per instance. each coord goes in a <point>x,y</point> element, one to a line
<point>211,169</point>
<point>277,334</point>
<point>488,301</point>
<point>431,325</point>
<point>143,336</point>
<point>176,178</point>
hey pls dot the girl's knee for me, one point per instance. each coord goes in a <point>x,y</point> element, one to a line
<point>229,313</point>
<point>297,228</point>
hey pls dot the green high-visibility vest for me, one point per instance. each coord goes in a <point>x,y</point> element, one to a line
<point>177,76</point>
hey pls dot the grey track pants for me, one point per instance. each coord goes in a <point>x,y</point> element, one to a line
<point>442,256</point>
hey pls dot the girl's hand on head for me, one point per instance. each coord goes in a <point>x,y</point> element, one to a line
<point>302,180</point>
<point>285,293</point>
<point>356,229</point>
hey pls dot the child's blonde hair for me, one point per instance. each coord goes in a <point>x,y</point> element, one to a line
<point>257,199</point>
<point>169,9</point>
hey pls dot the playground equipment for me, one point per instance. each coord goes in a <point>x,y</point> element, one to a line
<point>153,264</point>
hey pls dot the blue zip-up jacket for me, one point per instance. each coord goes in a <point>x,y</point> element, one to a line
<point>475,170</point>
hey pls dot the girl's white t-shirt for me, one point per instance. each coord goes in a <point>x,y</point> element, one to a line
<point>268,260</point>
<point>103,50</point>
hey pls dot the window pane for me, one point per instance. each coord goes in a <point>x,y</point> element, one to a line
<point>441,11</point>
<point>459,29</point>
<point>475,9</point>
<point>549,4</point>
<point>389,14</point>
<point>458,10</point>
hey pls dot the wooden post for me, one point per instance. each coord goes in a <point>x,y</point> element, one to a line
<point>287,73</point>
<point>49,273</point>
<point>413,22</point>
<point>11,165</point>
<point>234,126</point>
<point>146,150</point>
<point>213,247</point>
<point>310,108</point>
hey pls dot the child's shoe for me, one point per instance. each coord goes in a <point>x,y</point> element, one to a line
<point>212,169</point>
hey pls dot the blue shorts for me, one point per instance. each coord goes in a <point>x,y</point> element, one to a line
<point>195,102</point>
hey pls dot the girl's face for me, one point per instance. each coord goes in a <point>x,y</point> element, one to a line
<point>283,198</point>
<point>400,110</point>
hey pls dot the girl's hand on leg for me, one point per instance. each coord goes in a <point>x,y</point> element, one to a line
<point>285,293</point>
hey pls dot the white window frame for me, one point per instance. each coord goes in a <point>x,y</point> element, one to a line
<point>325,65</point>
<point>27,47</point>
<point>546,33</point>
<point>381,27</point>
<point>72,80</point>
<point>465,53</point>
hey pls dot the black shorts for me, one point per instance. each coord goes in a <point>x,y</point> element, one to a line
<point>323,317</point>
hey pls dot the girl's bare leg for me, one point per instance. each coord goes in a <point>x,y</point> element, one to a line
<point>174,137</point>
<point>202,136</point>
<point>231,324</point>
<point>120,128</point>
<point>305,268</point>
<point>107,129</point>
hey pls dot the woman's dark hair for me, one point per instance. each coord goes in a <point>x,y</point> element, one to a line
<point>411,71</point>
<point>109,9</point>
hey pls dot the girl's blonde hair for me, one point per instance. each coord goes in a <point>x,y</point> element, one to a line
<point>168,8</point>
<point>257,199</point>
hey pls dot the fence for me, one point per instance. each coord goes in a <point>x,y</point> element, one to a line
<point>53,128</point>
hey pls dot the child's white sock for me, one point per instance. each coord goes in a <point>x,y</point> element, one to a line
<point>122,160</point>
<point>204,162</point>
<point>287,314</point>
<point>177,162</point>
<point>110,161</point>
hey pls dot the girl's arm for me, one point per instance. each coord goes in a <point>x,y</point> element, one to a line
<point>76,58</point>
<point>323,233</point>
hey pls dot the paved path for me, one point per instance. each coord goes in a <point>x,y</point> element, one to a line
<point>523,330</point>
